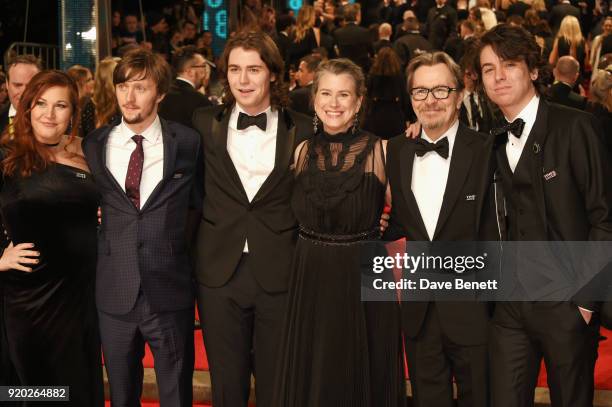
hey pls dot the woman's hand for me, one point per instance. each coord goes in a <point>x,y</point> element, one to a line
<point>14,257</point>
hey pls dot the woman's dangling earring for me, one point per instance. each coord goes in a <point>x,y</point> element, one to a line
<point>315,123</point>
<point>355,124</point>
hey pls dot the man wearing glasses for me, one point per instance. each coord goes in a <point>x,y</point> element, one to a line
<point>438,185</point>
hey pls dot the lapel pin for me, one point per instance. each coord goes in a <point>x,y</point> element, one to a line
<point>536,148</point>
<point>550,175</point>
<point>470,197</point>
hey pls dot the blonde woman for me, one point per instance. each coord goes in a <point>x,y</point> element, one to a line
<point>104,92</point>
<point>305,36</point>
<point>569,41</point>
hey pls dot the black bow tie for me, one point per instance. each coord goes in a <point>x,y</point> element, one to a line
<point>245,121</point>
<point>501,133</point>
<point>441,147</point>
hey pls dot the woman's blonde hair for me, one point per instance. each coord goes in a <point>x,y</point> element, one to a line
<point>601,87</point>
<point>538,5</point>
<point>104,97</point>
<point>570,30</point>
<point>305,21</point>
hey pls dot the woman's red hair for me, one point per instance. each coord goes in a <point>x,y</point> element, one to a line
<point>22,152</point>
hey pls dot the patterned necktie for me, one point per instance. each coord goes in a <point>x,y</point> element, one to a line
<point>134,172</point>
<point>501,133</point>
<point>441,147</point>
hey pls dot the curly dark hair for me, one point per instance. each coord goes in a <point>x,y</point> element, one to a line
<point>513,43</point>
<point>269,54</point>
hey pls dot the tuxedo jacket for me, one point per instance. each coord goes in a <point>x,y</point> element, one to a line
<point>466,215</point>
<point>563,94</point>
<point>180,103</point>
<point>571,175</point>
<point>441,23</point>
<point>355,43</point>
<point>229,219</point>
<point>146,249</point>
<point>300,100</point>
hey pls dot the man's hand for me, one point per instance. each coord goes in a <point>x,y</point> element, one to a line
<point>413,130</point>
<point>384,222</point>
<point>14,257</point>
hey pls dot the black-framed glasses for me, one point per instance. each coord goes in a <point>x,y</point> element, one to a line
<point>439,92</point>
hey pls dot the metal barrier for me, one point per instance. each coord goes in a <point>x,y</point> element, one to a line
<point>48,54</point>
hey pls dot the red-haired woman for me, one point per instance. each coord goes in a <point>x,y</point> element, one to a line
<point>48,204</point>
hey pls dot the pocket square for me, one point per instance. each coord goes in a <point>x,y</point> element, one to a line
<point>470,197</point>
<point>177,175</point>
<point>550,175</point>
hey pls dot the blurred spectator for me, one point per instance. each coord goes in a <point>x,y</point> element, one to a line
<point>131,33</point>
<point>455,45</point>
<point>305,36</point>
<point>176,40</point>
<point>384,37</point>
<point>487,15</point>
<point>352,41</point>
<point>441,23</point>
<point>188,31</point>
<point>516,21</point>
<point>566,74</point>
<point>157,34</point>
<point>569,41</point>
<point>411,44</point>
<point>596,45</point>
<point>83,77</point>
<point>601,103</point>
<point>4,100</point>
<point>540,7</point>
<point>559,12</point>
<point>517,8</point>
<point>104,99</point>
<point>204,45</point>
<point>387,103</point>
<point>19,72</point>
<point>183,98</point>
<point>116,24</point>
<point>300,96</point>
<point>404,26</point>
<point>284,27</point>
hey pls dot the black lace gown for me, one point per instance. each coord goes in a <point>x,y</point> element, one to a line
<point>338,350</point>
<point>49,314</point>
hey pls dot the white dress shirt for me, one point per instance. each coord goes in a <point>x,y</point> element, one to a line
<point>12,111</point>
<point>253,151</point>
<point>429,177</point>
<point>119,149</point>
<point>514,146</point>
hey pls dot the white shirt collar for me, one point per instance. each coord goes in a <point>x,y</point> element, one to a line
<point>233,121</point>
<point>151,133</point>
<point>186,80</point>
<point>12,111</point>
<point>528,114</point>
<point>451,134</point>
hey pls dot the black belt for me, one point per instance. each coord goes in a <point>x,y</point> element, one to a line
<point>333,239</point>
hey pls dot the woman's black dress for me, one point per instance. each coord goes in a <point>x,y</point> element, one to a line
<point>50,315</point>
<point>338,350</point>
<point>388,106</point>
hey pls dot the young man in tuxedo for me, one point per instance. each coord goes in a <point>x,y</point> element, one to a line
<point>144,168</point>
<point>248,231</point>
<point>556,181</point>
<point>438,182</point>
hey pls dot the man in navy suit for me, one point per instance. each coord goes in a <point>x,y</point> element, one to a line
<point>145,168</point>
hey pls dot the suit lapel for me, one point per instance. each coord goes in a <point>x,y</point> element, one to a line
<point>101,157</point>
<point>170,148</point>
<point>461,161</point>
<point>406,165</point>
<point>220,124</point>
<point>285,136</point>
<point>534,146</point>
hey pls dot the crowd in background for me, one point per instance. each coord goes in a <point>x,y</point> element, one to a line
<point>382,38</point>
